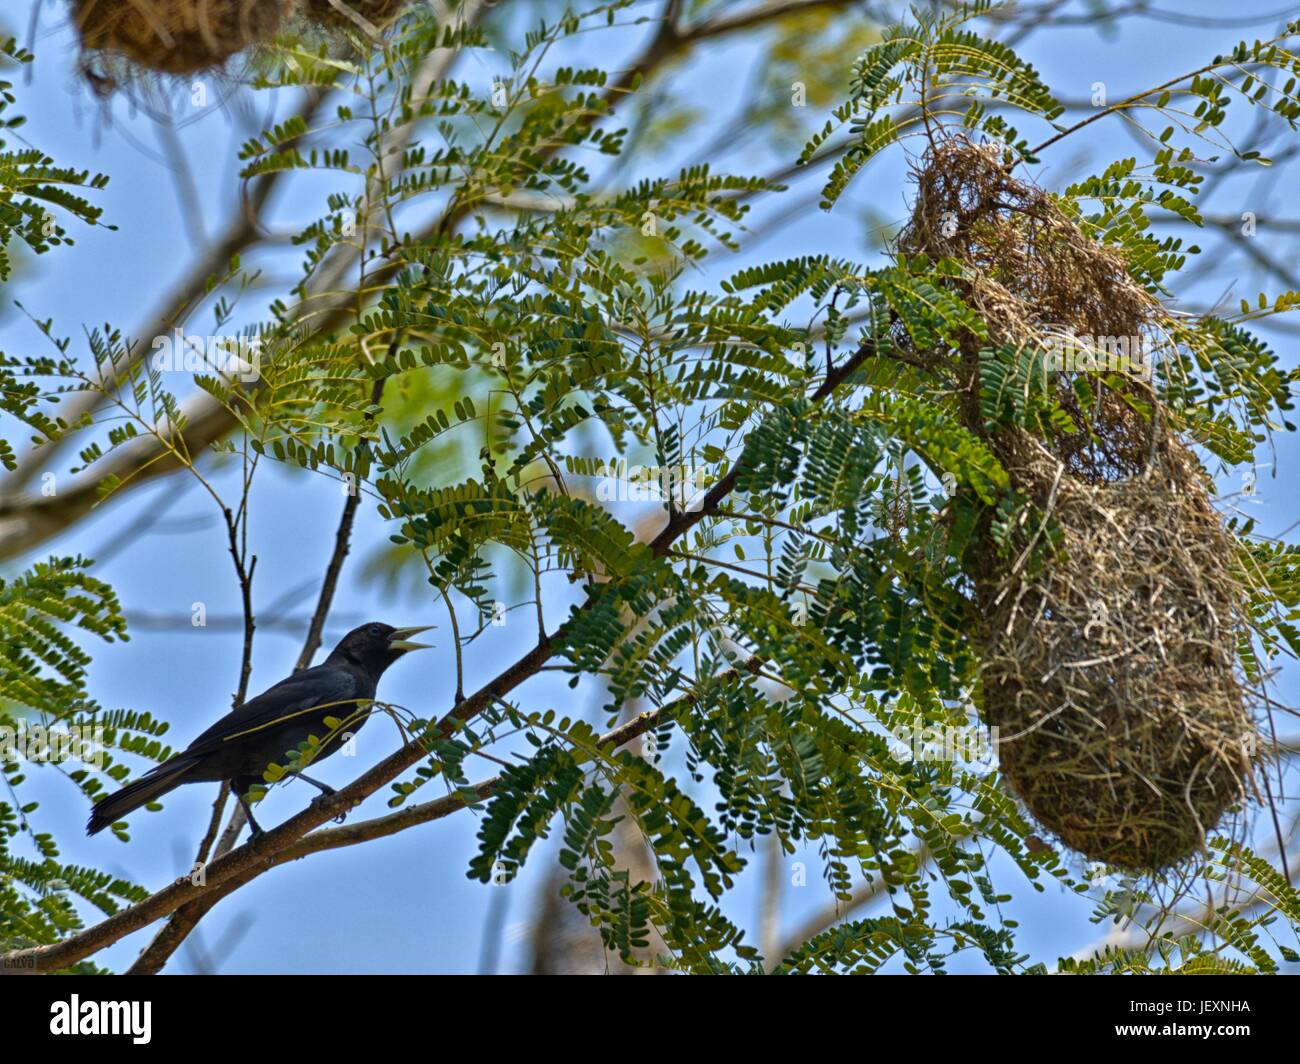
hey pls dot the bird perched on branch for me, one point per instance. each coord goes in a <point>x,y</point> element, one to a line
<point>330,701</point>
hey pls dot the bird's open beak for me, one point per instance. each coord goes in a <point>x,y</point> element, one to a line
<point>400,640</point>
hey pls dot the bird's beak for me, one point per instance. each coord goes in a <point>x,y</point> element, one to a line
<point>400,640</point>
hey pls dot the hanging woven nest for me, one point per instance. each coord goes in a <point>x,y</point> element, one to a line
<point>357,15</point>
<point>176,36</point>
<point>1110,672</point>
<point>1033,275</point>
<point>1114,610</point>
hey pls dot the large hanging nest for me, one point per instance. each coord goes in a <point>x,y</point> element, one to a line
<point>1110,673</point>
<point>187,36</point>
<point>1112,623</point>
<point>176,36</point>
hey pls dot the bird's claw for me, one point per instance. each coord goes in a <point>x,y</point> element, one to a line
<point>323,796</point>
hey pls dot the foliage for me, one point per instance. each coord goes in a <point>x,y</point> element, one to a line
<point>802,617</point>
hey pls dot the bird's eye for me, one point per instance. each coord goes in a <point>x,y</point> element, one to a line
<point>376,630</point>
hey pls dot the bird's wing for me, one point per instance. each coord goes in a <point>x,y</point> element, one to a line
<point>301,693</point>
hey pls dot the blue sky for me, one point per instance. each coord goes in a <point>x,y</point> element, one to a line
<point>404,904</point>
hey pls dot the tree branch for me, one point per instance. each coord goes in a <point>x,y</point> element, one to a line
<point>255,857</point>
<point>26,522</point>
<point>342,544</point>
<point>186,918</point>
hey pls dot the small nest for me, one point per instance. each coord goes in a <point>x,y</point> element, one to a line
<point>364,15</point>
<point>1113,621</point>
<point>1110,673</point>
<point>176,36</point>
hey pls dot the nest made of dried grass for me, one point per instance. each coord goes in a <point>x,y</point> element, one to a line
<point>1113,622</point>
<point>364,15</point>
<point>176,36</point>
<point>1110,673</point>
<point>1031,272</point>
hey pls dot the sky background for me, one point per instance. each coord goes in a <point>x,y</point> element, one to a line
<point>404,904</point>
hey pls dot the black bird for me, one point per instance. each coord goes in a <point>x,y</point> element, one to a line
<point>241,745</point>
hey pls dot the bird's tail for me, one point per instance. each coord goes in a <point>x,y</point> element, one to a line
<point>153,784</point>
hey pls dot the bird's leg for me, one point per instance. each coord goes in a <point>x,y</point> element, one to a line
<point>325,791</point>
<point>254,828</point>
<point>324,788</point>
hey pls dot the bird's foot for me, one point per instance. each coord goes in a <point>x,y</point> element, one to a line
<point>316,802</point>
<point>255,831</point>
